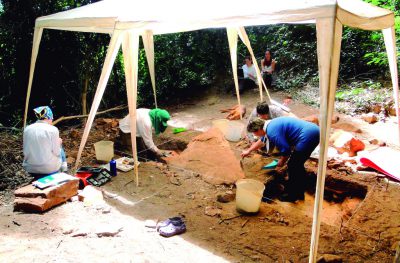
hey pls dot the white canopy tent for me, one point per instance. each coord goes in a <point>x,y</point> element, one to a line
<point>126,20</point>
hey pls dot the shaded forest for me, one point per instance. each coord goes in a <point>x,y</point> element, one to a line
<point>69,63</point>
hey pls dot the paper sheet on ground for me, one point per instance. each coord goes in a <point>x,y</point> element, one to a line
<point>384,160</point>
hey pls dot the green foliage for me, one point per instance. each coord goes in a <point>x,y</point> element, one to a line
<point>376,51</point>
<point>360,96</point>
<point>186,63</point>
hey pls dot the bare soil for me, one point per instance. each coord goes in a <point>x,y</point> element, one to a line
<point>360,220</point>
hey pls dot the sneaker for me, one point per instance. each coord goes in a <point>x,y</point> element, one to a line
<point>172,220</point>
<point>172,229</point>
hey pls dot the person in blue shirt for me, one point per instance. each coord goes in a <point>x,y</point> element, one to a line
<point>296,139</point>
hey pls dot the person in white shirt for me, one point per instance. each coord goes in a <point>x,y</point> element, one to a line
<point>43,153</point>
<point>146,121</point>
<point>249,75</point>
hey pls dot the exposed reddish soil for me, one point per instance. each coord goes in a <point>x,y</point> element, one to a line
<point>360,221</point>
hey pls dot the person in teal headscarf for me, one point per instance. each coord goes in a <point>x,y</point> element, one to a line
<point>146,121</point>
<point>42,146</point>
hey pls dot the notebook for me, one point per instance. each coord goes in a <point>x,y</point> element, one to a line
<point>52,180</point>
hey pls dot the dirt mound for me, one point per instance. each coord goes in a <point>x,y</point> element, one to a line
<point>11,158</point>
<point>210,155</point>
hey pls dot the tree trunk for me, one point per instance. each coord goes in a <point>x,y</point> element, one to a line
<point>84,96</point>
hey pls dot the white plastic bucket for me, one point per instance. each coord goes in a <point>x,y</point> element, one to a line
<point>104,150</point>
<point>249,193</point>
<point>234,131</point>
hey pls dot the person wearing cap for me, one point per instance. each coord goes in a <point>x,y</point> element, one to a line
<point>296,139</point>
<point>43,153</point>
<point>146,121</point>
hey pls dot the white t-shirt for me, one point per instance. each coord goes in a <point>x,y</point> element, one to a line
<point>143,127</point>
<point>41,148</point>
<point>274,112</point>
<point>249,70</point>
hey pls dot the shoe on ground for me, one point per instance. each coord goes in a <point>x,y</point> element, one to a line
<point>175,227</point>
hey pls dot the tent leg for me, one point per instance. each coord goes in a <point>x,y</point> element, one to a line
<point>148,43</point>
<point>130,48</point>
<point>232,40</point>
<point>329,33</point>
<point>390,43</point>
<point>112,52</point>
<point>37,36</point>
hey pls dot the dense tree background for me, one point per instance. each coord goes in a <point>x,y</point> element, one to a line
<point>69,63</point>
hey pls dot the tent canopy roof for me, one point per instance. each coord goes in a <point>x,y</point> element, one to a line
<point>174,16</point>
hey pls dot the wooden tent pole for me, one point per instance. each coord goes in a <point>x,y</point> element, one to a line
<point>112,52</point>
<point>390,43</point>
<point>232,40</point>
<point>37,36</point>
<point>130,49</point>
<point>148,43</point>
<point>329,35</point>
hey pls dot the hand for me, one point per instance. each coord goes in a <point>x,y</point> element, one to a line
<point>60,140</point>
<point>245,153</point>
<point>166,153</point>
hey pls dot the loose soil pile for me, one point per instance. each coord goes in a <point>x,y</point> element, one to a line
<point>210,155</point>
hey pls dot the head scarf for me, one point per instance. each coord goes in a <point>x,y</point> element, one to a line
<point>159,119</point>
<point>43,112</point>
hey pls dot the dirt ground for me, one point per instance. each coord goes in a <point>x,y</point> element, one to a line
<point>363,225</point>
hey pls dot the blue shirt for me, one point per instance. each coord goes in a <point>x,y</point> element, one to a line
<point>288,132</point>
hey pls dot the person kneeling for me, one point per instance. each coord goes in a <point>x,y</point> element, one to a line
<point>43,153</point>
<point>287,133</point>
<point>146,121</point>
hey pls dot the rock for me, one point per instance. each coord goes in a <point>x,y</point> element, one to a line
<point>226,197</point>
<point>377,142</point>
<point>114,123</point>
<point>175,181</point>
<point>212,211</point>
<point>376,108</point>
<point>108,231</point>
<point>70,160</point>
<point>392,111</point>
<point>31,199</point>
<point>91,196</point>
<point>345,142</point>
<point>330,258</point>
<point>79,233</point>
<point>74,134</point>
<point>68,231</point>
<point>369,117</point>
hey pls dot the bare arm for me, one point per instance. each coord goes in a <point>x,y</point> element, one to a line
<point>255,146</point>
<point>282,161</point>
<point>273,65</point>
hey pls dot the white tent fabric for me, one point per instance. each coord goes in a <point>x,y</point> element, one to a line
<point>125,20</point>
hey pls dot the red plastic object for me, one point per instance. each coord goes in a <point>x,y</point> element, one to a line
<point>82,178</point>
